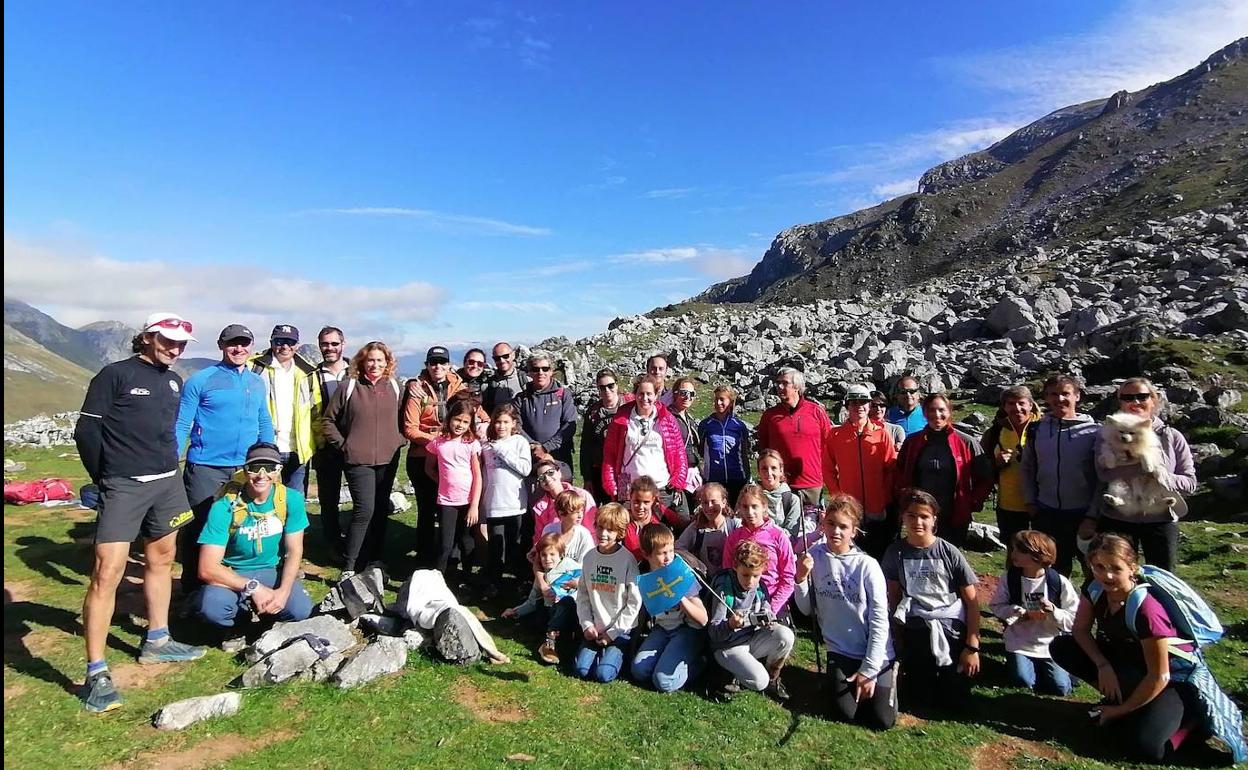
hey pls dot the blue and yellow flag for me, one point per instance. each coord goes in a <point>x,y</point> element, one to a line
<point>564,583</point>
<point>662,589</point>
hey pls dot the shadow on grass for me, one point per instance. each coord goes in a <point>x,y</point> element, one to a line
<point>59,561</point>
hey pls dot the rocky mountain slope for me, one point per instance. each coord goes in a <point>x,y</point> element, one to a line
<point>1083,171</point>
<point>37,380</point>
<point>90,347</point>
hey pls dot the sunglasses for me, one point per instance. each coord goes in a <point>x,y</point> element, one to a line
<point>606,386</point>
<point>285,343</point>
<point>437,363</point>
<point>686,393</point>
<point>1134,396</point>
<point>909,391</point>
<point>259,468</point>
<point>474,363</point>
<point>502,357</point>
<point>331,344</point>
<point>173,323</point>
<point>548,474</point>
<point>536,369</point>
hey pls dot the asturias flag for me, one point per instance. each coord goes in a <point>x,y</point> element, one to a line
<point>560,582</point>
<point>662,589</point>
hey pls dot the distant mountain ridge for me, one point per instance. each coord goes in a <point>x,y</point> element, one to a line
<point>1083,171</point>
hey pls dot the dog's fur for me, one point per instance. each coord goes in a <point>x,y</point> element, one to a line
<point>1127,439</point>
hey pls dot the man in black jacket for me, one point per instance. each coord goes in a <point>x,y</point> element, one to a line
<point>126,439</point>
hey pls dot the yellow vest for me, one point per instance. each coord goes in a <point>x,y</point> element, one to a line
<point>1010,481</point>
<point>305,428</point>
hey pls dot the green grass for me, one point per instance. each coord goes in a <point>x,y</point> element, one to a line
<point>1203,359</point>
<point>435,715</point>
<point>55,385</point>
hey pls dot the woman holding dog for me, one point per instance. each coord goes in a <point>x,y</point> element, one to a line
<point>1157,535</point>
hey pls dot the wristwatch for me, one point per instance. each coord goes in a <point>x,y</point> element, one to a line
<point>251,587</point>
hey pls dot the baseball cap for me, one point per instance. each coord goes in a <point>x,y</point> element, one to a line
<point>236,331</point>
<point>284,332</point>
<point>858,393</point>
<point>263,452</point>
<point>171,326</point>
<point>437,353</point>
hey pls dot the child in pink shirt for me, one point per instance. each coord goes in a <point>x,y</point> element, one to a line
<point>756,525</point>
<point>456,453</point>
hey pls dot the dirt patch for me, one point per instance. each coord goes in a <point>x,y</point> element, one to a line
<point>1000,754</point>
<point>19,591</point>
<point>207,753</point>
<point>14,690</point>
<point>910,720</point>
<point>589,699</point>
<point>986,587</point>
<point>130,675</point>
<point>487,707</point>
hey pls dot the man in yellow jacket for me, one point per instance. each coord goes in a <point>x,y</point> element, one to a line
<point>294,403</point>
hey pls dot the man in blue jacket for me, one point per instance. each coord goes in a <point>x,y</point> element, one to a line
<point>223,412</point>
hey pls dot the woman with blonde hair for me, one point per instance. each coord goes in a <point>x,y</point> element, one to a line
<point>362,421</point>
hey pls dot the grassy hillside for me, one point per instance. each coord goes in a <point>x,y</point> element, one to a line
<point>36,380</point>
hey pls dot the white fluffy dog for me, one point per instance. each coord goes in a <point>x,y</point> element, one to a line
<point>1128,439</point>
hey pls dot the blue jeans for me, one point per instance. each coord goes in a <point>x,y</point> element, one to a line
<point>1040,674</point>
<point>602,664</point>
<point>220,605</point>
<point>670,659</point>
<point>295,473</point>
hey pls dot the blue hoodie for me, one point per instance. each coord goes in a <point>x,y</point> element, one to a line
<point>1057,466</point>
<point>724,445</point>
<point>223,412</point>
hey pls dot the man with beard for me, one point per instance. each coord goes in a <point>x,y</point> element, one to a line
<point>327,461</point>
<point>504,385</point>
<point>222,413</point>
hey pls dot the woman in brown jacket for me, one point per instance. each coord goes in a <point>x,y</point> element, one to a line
<point>362,421</point>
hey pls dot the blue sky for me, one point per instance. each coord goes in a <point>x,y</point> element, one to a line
<point>466,172</point>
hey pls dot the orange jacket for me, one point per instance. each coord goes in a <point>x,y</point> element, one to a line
<point>421,419</point>
<point>861,464</point>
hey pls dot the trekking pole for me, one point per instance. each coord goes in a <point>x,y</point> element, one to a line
<point>814,600</point>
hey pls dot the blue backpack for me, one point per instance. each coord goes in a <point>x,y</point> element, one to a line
<point>1194,620</point>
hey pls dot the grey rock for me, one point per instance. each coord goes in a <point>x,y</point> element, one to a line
<point>1010,313</point>
<point>921,309</point>
<point>385,656</point>
<point>415,639</point>
<point>1223,397</point>
<point>1220,223</point>
<point>324,626</point>
<point>281,666</point>
<point>323,669</point>
<point>184,713</point>
<point>1183,394</point>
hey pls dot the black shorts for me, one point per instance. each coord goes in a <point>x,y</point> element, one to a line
<point>129,508</point>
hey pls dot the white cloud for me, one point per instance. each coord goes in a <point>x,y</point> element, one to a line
<point>715,262</point>
<point>210,295</point>
<point>721,264</point>
<point>1144,42</point>
<point>510,307</point>
<point>893,189</point>
<point>656,256</point>
<point>669,193</point>
<point>440,219</point>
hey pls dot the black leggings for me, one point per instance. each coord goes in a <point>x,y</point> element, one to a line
<point>505,550</point>
<point>880,711</point>
<point>455,538</point>
<point>924,680</point>
<point>370,487</point>
<point>1145,732</point>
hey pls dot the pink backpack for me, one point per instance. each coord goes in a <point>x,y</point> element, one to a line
<point>40,491</point>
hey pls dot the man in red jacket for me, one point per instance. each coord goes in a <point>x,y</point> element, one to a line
<point>798,429</point>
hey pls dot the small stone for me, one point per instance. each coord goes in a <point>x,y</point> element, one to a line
<point>184,713</point>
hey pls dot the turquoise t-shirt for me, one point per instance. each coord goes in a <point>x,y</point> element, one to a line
<point>257,543</point>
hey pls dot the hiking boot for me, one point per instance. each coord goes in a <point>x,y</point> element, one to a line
<point>776,689</point>
<point>98,693</point>
<point>346,575</point>
<point>547,651</point>
<point>169,651</point>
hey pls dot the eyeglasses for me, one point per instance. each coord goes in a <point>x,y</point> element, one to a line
<point>474,363</point>
<point>1134,396</point>
<point>548,474</point>
<point>686,393</point>
<point>536,369</point>
<point>502,357</point>
<point>172,323</point>
<point>256,469</point>
<point>285,343</point>
<point>331,344</point>
<point>908,391</point>
<point>606,386</point>
<point>783,384</point>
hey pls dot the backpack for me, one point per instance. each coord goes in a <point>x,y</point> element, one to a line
<point>40,491</point>
<point>351,389</point>
<point>232,490</point>
<point>1052,585</point>
<point>1192,617</point>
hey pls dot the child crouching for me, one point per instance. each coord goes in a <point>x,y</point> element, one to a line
<point>673,653</point>
<point>1036,603</point>
<point>748,642</point>
<point>559,613</point>
<point>607,599</point>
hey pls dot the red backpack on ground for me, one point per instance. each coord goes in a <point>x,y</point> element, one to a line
<point>40,491</point>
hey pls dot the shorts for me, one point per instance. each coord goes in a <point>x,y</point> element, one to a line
<point>129,508</point>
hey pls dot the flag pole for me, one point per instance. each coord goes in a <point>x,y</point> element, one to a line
<point>814,599</point>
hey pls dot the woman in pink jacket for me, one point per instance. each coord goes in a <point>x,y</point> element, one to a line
<point>644,440</point>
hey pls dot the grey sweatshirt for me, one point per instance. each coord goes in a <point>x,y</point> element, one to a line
<point>607,596</point>
<point>1058,470</point>
<point>852,602</point>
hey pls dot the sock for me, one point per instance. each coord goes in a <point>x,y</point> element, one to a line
<point>96,666</point>
<point>156,635</point>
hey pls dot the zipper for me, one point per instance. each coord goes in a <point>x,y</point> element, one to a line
<point>862,472</point>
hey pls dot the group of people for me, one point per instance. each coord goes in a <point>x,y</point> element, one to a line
<point>878,568</point>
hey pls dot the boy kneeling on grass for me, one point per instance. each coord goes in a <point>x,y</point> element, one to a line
<point>748,642</point>
<point>931,591</point>
<point>673,654</point>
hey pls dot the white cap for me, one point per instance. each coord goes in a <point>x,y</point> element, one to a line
<point>171,326</point>
<point>858,393</point>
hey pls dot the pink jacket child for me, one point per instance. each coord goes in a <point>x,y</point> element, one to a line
<point>544,511</point>
<point>781,568</point>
